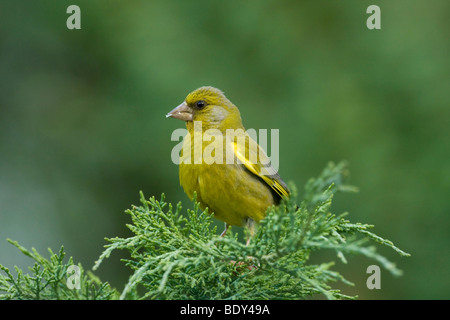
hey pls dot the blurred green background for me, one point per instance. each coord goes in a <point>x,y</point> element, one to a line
<point>83,127</point>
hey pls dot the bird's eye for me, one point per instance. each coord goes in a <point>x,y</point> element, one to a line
<point>200,104</point>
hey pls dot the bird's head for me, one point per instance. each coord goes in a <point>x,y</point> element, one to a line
<point>209,105</point>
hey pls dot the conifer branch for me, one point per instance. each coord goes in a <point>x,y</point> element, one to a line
<point>182,257</point>
<point>177,254</point>
<point>48,280</point>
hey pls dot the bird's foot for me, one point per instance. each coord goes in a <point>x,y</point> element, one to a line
<point>224,232</point>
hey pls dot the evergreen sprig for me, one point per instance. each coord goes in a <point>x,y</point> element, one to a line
<point>177,256</point>
<point>52,279</point>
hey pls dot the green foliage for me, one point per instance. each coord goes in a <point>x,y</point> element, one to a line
<point>176,256</point>
<point>48,280</point>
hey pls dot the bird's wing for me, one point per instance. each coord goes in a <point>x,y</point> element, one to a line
<point>253,157</point>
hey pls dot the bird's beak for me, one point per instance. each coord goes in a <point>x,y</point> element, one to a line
<point>182,112</point>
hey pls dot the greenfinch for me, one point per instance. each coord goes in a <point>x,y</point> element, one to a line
<point>229,172</point>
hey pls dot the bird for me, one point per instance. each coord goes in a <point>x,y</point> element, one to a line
<point>230,174</point>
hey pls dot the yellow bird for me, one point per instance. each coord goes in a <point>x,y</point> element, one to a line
<point>230,173</point>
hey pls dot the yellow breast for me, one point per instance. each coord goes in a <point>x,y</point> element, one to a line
<point>229,190</point>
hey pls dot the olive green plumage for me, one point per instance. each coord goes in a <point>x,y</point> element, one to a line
<point>238,192</point>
